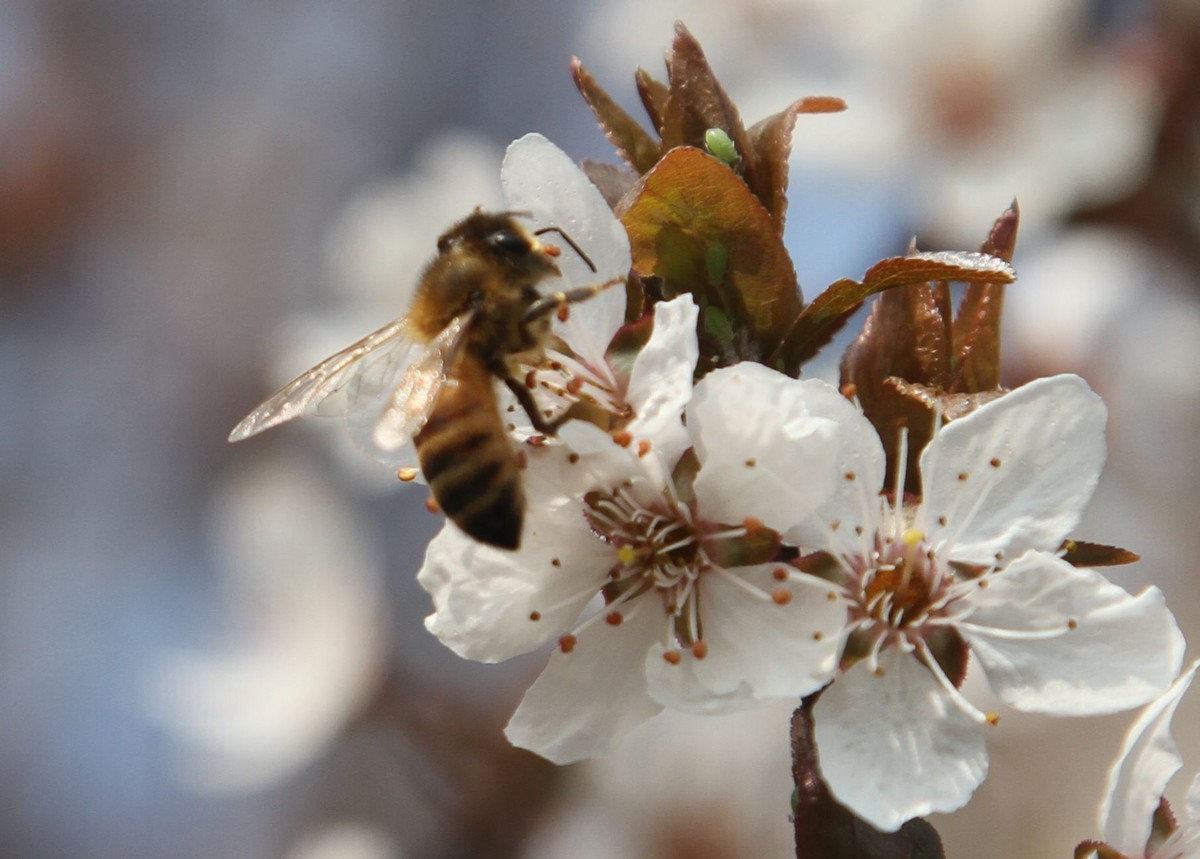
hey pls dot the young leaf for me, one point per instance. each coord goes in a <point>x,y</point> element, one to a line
<point>771,140</point>
<point>639,149</point>
<point>1081,554</point>
<point>831,307</point>
<point>653,94</point>
<point>695,225</point>
<point>977,326</point>
<point>697,103</point>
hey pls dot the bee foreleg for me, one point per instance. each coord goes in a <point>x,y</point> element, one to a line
<point>548,304</point>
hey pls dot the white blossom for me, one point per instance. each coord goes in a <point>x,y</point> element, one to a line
<point>979,559</point>
<point>308,641</point>
<point>676,627</point>
<point>1139,777</point>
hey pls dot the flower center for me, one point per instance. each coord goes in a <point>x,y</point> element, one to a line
<point>899,585</point>
<point>659,547</point>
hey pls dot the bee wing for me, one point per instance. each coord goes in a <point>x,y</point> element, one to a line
<point>405,403</point>
<point>389,346</point>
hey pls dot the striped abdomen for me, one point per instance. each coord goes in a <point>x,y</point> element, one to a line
<point>467,458</point>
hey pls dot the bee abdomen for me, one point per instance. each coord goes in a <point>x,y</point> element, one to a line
<point>467,459</point>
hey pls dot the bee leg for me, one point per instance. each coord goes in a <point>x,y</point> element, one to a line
<point>529,404</point>
<point>548,304</point>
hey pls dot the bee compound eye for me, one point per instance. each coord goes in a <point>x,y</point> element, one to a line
<point>509,242</point>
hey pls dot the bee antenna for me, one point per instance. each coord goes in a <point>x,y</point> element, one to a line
<point>569,241</point>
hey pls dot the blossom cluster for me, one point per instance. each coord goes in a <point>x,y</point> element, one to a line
<point>703,530</point>
<point>736,541</point>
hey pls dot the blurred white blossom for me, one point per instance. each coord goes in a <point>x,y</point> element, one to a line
<point>307,640</point>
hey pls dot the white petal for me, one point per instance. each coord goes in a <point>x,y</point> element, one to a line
<point>485,599</point>
<point>758,651</point>
<point>660,383</point>
<point>1122,651</point>
<point>1192,800</point>
<point>587,700</point>
<point>768,445</point>
<point>895,746</point>
<point>848,521</point>
<point>1015,474</point>
<point>541,179</point>
<point>1137,780</point>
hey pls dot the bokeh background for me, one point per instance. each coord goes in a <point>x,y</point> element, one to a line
<point>217,651</point>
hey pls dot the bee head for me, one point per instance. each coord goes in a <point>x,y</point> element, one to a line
<point>498,238</point>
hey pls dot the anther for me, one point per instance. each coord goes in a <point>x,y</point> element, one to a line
<point>407,475</point>
<point>700,649</point>
<point>567,643</point>
<point>432,506</point>
<point>674,657</point>
<point>781,596</point>
<point>614,618</point>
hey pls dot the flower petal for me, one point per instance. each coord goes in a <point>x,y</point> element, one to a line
<point>1138,779</point>
<point>1113,650</point>
<point>847,522</point>
<point>757,650</point>
<point>768,445</point>
<point>1015,474</point>
<point>660,383</point>
<point>485,599</point>
<point>893,746</point>
<point>587,700</point>
<point>541,179</point>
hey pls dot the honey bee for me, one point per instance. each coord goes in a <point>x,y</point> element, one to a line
<point>429,376</point>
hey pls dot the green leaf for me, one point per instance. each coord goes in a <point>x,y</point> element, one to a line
<point>695,225</point>
<point>639,149</point>
<point>716,324</point>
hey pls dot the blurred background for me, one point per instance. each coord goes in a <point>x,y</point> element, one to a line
<point>218,651</point>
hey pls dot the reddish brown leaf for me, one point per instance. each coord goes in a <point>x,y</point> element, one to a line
<point>614,182</point>
<point>977,326</point>
<point>633,142</point>
<point>1082,554</point>
<point>821,104</point>
<point>771,139</point>
<point>695,225</point>
<point>654,97</point>
<point>697,102</point>
<point>830,308</point>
